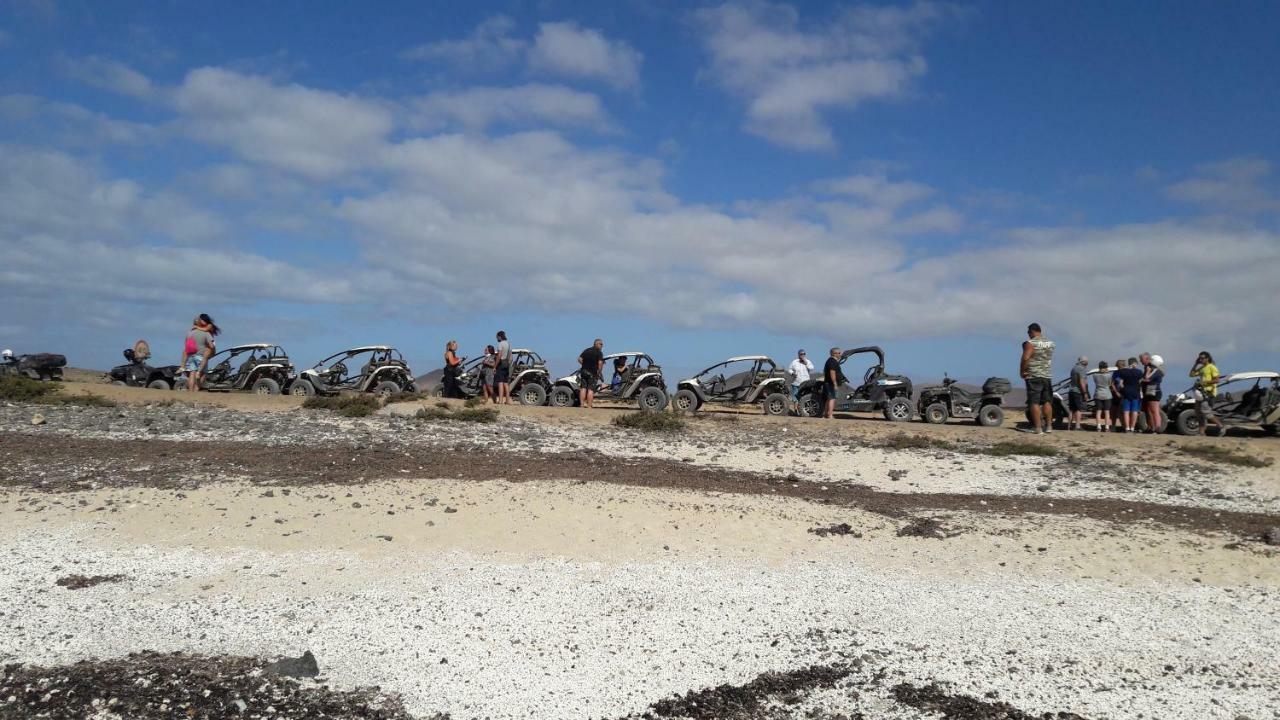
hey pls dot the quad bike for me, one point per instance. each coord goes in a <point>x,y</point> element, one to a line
<point>40,366</point>
<point>528,380</point>
<point>1243,399</point>
<point>878,392</point>
<point>742,380</point>
<point>383,372</point>
<point>137,373</point>
<point>635,377</point>
<point>266,370</point>
<point>937,403</point>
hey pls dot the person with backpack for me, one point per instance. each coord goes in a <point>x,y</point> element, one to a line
<point>198,349</point>
<point>502,373</point>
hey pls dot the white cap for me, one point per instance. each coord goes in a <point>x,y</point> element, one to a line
<point>1157,361</point>
<point>7,353</point>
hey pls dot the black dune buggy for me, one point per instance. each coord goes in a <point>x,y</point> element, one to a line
<point>938,403</point>
<point>379,369</point>
<point>260,367</point>
<point>528,380</point>
<point>745,380</point>
<point>633,376</point>
<point>38,366</point>
<point>878,392</point>
<point>136,372</point>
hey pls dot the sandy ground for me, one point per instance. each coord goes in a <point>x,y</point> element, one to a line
<point>488,594</point>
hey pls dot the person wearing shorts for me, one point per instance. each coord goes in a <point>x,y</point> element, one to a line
<point>1078,396</point>
<point>198,349</point>
<point>1129,383</point>
<point>502,373</point>
<point>1207,376</point>
<point>832,378</point>
<point>1102,397</point>
<point>591,361</point>
<point>1036,369</point>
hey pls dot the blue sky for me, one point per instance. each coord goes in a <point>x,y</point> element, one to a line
<point>694,180</point>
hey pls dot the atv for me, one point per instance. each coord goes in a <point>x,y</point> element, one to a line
<point>1244,398</point>
<point>635,376</point>
<point>742,380</point>
<point>266,370</point>
<point>937,403</point>
<point>137,373</point>
<point>528,380</point>
<point>40,366</point>
<point>879,391</point>
<point>383,372</point>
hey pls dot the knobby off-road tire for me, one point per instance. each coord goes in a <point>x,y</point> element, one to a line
<point>1187,423</point>
<point>652,400</point>
<point>898,410</point>
<point>991,416</point>
<point>1142,424</point>
<point>777,404</point>
<point>266,386</point>
<point>562,396</point>
<point>685,401</point>
<point>386,388</point>
<point>810,405</point>
<point>531,393</point>
<point>302,388</point>
<point>935,413</point>
<point>159,385</point>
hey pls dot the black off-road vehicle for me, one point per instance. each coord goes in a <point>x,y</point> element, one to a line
<point>633,375</point>
<point>137,373</point>
<point>744,380</point>
<point>529,381</point>
<point>38,366</point>
<point>381,370</point>
<point>938,403</point>
<point>1243,399</point>
<point>878,391</point>
<point>260,367</point>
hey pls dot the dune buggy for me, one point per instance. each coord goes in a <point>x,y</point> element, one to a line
<point>1244,398</point>
<point>1062,408</point>
<point>382,370</point>
<point>739,380</point>
<point>260,367</point>
<point>529,381</point>
<point>878,391</point>
<point>634,376</point>
<point>39,366</point>
<point>938,403</point>
<point>137,373</point>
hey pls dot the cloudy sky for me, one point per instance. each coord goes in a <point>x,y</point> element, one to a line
<point>691,180</point>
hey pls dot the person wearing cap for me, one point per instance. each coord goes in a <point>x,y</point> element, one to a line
<point>8,357</point>
<point>1078,396</point>
<point>799,370</point>
<point>1152,377</point>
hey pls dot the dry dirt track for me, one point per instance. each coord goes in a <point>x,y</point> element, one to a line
<point>550,565</point>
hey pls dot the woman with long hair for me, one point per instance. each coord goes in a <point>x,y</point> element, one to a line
<point>488,367</point>
<point>198,349</point>
<point>452,368</point>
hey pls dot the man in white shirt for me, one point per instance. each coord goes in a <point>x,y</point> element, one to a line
<point>799,370</point>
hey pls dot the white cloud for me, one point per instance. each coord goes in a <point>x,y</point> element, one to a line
<point>1237,185</point>
<point>73,124</point>
<point>314,133</point>
<point>111,75</point>
<point>477,108</point>
<point>564,48</point>
<point>790,76</point>
<point>489,47</point>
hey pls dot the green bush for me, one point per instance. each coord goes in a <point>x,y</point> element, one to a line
<point>345,405</point>
<point>475,401</point>
<point>650,422</point>
<point>465,414</point>
<point>903,441</point>
<point>16,388</point>
<point>1226,456</point>
<point>405,397</point>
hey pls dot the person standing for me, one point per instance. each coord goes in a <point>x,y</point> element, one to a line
<point>799,370</point>
<point>592,362</point>
<point>488,367</point>
<point>502,374</point>
<point>1078,396</point>
<point>198,349</point>
<point>832,378</point>
<point>1152,377</point>
<point>1037,370</point>
<point>1117,397</point>
<point>452,368</point>
<point>1102,397</point>
<point>1129,383</point>
<point>1207,377</point>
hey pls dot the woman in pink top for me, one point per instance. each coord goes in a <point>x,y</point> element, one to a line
<point>198,349</point>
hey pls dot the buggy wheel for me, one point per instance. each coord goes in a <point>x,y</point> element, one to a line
<point>159,385</point>
<point>437,391</point>
<point>1143,425</point>
<point>898,410</point>
<point>685,401</point>
<point>776,404</point>
<point>991,416</point>
<point>266,386</point>
<point>1187,423</point>
<point>936,413</point>
<point>811,405</point>
<point>562,396</point>
<point>531,393</point>
<point>652,399</point>
<point>412,388</point>
<point>386,388</point>
<point>302,388</point>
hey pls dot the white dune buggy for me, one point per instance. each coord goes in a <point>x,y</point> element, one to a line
<point>744,380</point>
<point>635,376</point>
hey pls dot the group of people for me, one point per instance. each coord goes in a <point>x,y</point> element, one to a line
<point>1120,395</point>
<point>801,370</point>
<point>198,348</point>
<point>495,370</point>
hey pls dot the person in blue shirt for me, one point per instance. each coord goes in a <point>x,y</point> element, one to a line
<point>1128,381</point>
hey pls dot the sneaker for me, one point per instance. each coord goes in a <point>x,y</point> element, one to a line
<point>1048,430</point>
